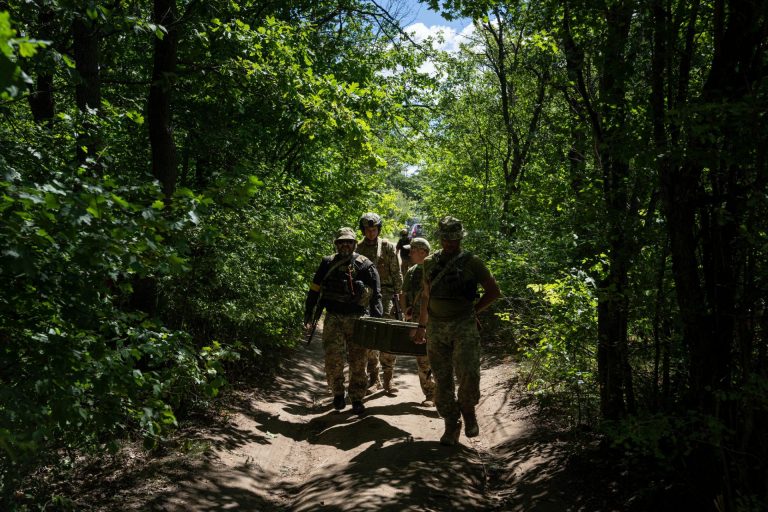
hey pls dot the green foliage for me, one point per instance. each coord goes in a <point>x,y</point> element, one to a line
<point>79,367</point>
<point>560,339</point>
<point>124,308</point>
<point>12,78</point>
<point>246,283</point>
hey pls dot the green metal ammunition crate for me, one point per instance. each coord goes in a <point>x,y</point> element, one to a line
<point>387,335</point>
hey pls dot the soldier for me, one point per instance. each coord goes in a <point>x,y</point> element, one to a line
<point>448,324</point>
<point>382,253</point>
<point>347,286</point>
<point>405,258</point>
<point>410,303</point>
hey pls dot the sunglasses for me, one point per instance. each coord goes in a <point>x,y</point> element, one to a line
<point>345,242</point>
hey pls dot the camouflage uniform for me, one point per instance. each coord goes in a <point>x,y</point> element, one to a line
<point>412,285</point>
<point>337,343</point>
<point>453,347</point>
<point>453,341</point>
<point>347,288</point>
<point>382,254</point>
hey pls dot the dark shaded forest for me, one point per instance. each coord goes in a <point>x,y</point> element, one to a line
<point>172,172</point>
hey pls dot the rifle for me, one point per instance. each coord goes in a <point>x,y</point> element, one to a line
<point>350,282</point>
<point>317,311</point>
<point>398,311</point>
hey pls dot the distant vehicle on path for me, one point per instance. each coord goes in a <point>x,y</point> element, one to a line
<point>417,230</point>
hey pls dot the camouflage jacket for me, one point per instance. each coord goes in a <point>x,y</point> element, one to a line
<point>382,253</point>
<point>412,286</point>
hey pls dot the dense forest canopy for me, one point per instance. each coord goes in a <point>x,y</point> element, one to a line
<point>172,171</point>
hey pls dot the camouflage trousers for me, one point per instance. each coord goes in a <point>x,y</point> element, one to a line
<point>374,356</point>
<point>453,347</point>
<point>424,370</point>
<point>426,381</point>
<point>338,345</point>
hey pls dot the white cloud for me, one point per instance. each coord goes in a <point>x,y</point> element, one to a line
<point>450,38</point>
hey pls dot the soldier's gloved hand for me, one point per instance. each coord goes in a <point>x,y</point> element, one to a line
<point>359,288</point>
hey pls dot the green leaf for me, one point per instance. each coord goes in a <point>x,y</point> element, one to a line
<point>119,200</point>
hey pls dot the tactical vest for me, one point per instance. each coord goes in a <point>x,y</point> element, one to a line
<point>339,285</point>
<point>454,283</point>
<point>381,254</point>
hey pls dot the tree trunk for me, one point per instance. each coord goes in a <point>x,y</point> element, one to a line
<point>41,101</point>
<point>164,165</point>
<point>706,200</point>
<point>517,142</point>
<point>615,371</point>
<point>611,345</point>
<point>86,37</point>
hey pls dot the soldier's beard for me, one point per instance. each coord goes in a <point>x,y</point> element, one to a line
<point>345,249</point>
<point>450,247</point>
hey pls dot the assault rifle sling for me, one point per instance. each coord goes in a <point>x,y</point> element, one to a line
<point>317,311</point>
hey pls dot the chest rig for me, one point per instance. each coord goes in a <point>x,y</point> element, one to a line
<point>448,280</point>
<point>339,283</point>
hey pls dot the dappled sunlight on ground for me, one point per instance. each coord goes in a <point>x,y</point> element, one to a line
<point>285,448</point>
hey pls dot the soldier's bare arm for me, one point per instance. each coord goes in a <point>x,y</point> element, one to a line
<point>491,292</point>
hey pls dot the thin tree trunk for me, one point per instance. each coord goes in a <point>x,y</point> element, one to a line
<point>164,164</point>
<point>612,331</point>
<point>41,101</point>
<point>660,348</point>
<point>85,33</point>
<point>706,204</point>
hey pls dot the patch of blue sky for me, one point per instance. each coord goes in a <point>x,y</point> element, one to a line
<point>422,22</point>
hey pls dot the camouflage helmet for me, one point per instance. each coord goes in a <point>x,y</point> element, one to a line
<point>450,228</point>
<point>419,243</point>
<point>345,234</point>
<point>370,219</point>
<point>403,232</point>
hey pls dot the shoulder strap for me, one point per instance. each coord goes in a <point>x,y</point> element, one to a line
<point>378,250</point>
<point>447,267</point>
<point>336,265</point>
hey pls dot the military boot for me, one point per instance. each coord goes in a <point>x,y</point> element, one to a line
<point>389,386</point>
<point>471,428</point>
<point>358,407</point>
<point>452,432</point>
<point>373,381</point>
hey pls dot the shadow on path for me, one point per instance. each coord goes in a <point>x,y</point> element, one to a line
<point>400,476</point>
<point>284,448</point>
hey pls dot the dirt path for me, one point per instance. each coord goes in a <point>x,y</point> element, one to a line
<point>287,449</point>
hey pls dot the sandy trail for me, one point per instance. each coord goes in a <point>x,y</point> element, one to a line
<point>286,448</point>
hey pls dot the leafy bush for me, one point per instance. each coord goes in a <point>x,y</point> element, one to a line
<point>81,360</point>
<point>561,335</point>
